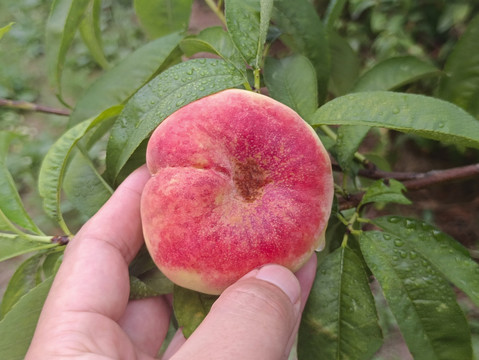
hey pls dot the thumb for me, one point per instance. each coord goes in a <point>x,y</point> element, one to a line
<point>255,318</point>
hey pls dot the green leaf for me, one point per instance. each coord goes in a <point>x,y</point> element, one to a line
<point>26,277</point>
<point>266,7</point>
<point>291,80</point>
<point>119,83</point>
<point>150,283</point>
<point>334,10</point>
<point>248,23</point>
<point>421,300</point>
<point>84,186</point>
<point>217,41</point>
<point>446,255</point>
<point>91,33</point>
<point>345,65</point>
<point>139,290</point>
<point>14,245</point>
<point>5,29</point>
<point>380,191</point>
<point>190,308</point>
<point>162,17</point>
<point>18,326</point>
<point>10,202</point>
<point>461,83</point>
<point>52,171</point>
<point>53,261</point>
<point>340,319</point>
<point>142,263</point>
<point>63,22</point>
<point>347,143</point>
<point>387,75</point>
<point>303,31</point>
<point>172,89</point>
<point>156,280</point>
<point>422,115</point>
<point>393,73</point>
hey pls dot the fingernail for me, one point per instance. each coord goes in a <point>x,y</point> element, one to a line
<point>282,278</point>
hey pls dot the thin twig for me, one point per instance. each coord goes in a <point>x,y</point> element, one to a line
<point>419,180</point>
<point>28,106</point>
<point>442,176</point>
<point>411,180</point>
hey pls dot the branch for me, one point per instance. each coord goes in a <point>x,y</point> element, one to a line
<point>411,180</point>
<point>28,106</point>
<point>415,180</point>
<point>423,180</point>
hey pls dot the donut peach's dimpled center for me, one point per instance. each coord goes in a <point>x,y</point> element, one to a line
<point>239,180</point>
<point>249,179</point>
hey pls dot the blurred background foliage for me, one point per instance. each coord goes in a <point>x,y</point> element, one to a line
<point>23,76</point>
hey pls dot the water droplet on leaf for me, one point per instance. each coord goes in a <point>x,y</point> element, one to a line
<point>410,224</point>
<point>398,242</point>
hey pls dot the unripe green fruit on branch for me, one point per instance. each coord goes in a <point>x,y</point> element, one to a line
<point>239,180</point>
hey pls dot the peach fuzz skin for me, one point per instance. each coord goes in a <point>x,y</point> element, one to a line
<point>239,180</point>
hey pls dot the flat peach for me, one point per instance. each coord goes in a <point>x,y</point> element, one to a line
<point>239,180</point>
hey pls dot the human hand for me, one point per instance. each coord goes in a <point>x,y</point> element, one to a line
<point>87,313</point>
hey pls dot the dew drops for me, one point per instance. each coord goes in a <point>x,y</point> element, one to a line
<point>412,255</point>
<point>396,111</point>
<point>394,219</point>
<point>410,224</point>
<point>387,237</point>
<point>398,242</point>
<point>436,233</point>
<point>403,254</point>
<point>180,102</point>
<point>425,226</point>
<point>190,71</point>
<point>440,125</point>
<point>395,257</point>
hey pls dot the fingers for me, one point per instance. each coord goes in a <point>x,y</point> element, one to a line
<point>93,276</point>
<point>118,222</point>
<point>256,318</point>
<point>305,277</point>
<point>146,323</point>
